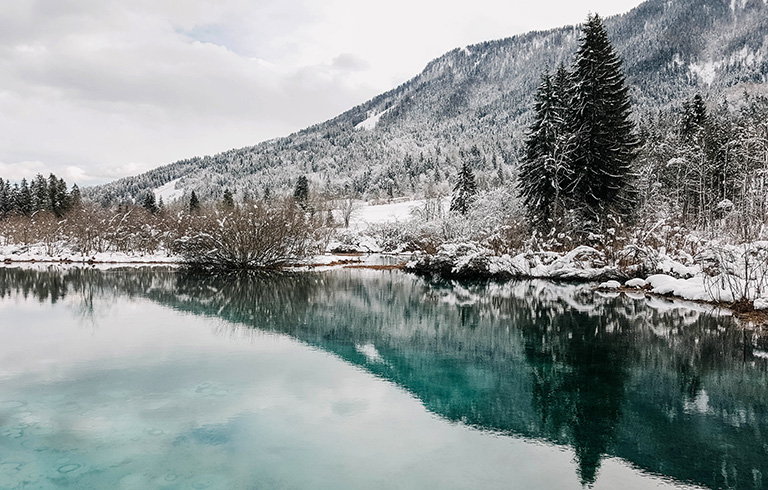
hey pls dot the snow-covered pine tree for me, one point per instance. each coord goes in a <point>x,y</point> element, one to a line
<point>301,191</point>
<point>228,200</point>
<point>545,169</point>
<point>464,190</point>
<point>194,203</point>
<point>149,202</point>
<point>604,144</point>
<point>694,118</point>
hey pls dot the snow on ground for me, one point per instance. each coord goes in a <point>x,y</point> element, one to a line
<point>366,214</point>
<point>706,71</point>
<point>61,253</point>
<point>371,122</point>
<point>168,192</point>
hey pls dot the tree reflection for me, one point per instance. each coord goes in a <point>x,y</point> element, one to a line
<point>641,380</point>
<point>578,369</point>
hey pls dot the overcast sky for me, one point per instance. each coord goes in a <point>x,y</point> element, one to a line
<point>93,90</point>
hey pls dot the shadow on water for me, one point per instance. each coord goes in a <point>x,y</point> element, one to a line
<point>675,391</point>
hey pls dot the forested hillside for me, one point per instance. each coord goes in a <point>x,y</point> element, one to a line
<point>474,104</point>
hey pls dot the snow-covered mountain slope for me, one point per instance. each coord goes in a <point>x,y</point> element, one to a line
<point>474,103</point>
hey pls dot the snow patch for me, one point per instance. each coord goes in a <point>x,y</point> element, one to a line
<point>705,71</point>
<point>168,192</point>
<point>371,122</point>
<point>609,285</point>
<point>636,283</point>
<point>761,304</point>
<point>739,4</point>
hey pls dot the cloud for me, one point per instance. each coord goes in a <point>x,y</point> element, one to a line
<point>350,62</point>
<point>21,170</point>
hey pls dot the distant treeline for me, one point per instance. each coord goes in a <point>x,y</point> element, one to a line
<point>41,194</point>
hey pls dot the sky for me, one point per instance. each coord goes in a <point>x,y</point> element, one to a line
<point>95,90</point>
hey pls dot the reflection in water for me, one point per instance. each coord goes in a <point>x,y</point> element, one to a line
<point>675,391</point>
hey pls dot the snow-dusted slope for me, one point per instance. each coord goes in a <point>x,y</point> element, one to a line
<point>473,104</point>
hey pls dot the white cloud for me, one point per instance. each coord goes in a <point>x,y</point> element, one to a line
<point>21,170</point>
<point>99,85</point>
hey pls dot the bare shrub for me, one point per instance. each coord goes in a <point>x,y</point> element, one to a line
<point>257,236</point>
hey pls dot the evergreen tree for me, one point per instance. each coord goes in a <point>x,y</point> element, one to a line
<point>194,203</point>
<point>301,192</point>
<point>24,198</point>
<point>57,189</point>
<point>228,201</point>
<point>694,119</point>
<point>149,202</point>
<point>40,196</point>
<point>545,169</point>
<point>464,190</point>
<point>599,117</point>
<point>75,197</point>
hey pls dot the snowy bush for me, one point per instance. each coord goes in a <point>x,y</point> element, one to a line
<point>256,236</point>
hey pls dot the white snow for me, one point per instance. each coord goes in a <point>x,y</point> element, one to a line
<point>61,252</point>
<point>609,285</point>
<point>168,192</point>
<point>761,304</point>
<point>636,283</point>
<point>371,122</point>
<point>368,214</point>
<point>706,71</point>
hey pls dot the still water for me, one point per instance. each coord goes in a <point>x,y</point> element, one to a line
<point>145,378</point>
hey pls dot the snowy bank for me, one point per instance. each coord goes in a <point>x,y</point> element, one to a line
<point>62,253</point>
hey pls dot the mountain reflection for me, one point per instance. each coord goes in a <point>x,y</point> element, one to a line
<point>675,391</point>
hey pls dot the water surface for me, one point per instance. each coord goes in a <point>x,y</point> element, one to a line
<point>364,379</point>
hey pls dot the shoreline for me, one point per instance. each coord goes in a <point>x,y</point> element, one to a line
<point>754,319</point>
<point>747,315</point>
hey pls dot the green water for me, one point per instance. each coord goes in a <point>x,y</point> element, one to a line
<point>143,379</point>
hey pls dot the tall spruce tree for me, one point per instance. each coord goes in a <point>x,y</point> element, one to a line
<point>604,144</point>
<point>228,200</point>
<point>149,202</point>
<point>545,170</point>
<point>301,191</point>
<point>464,190</point>
<point>194,203</point>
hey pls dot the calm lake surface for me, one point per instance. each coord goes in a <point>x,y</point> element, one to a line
<point>147,378</point>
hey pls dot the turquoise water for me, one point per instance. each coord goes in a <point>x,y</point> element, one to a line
<point>364,380</point>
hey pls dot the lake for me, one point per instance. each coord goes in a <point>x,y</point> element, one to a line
<point>353,379</point>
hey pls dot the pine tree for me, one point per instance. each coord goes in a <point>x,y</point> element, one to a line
<point>149,202</point>
<point>24,198</point>
<point>301,192</point>
<point>545,170</point>
<point>194,203</point>
<point>695,119</point>
<point>75,197</point>
<point>6,198</point>
<point>40,196</point>
<point>599,116</point>
<point>228,200</point>
<point>464,190</point>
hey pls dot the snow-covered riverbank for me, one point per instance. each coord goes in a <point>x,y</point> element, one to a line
<point>713,272</point>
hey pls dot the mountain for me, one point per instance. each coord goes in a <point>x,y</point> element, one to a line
<point>473,104</point>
